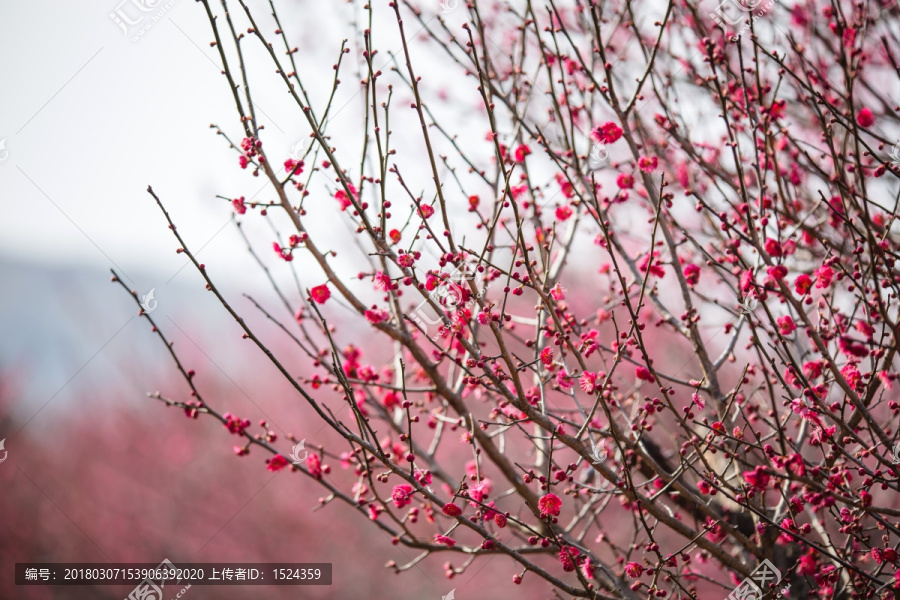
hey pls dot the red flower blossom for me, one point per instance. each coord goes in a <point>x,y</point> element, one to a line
<point>320,294</point>
<point>563,213</point>
<point>607,133</point>
<point>691,273</point>
<point>452,510</point>
<point>773,248</point>
<point>443,539</point>
<point>342,197</point>
<point>402,495</point>
<point>786,325</point>
<point>277,463</point>
<point>824,275</point>
<point>865,118</point>
<point>314,465</point>
<point>294,167</point>
<point>521,152</point>
<point>648,164</point>
<point>643,373</point>
<point>235,424</point>
<point>758,478</point>
<point>625,181</point>
<point>588,382</point>
<point>634,570</point>
<point>802,284</point>
<point>549,505</point>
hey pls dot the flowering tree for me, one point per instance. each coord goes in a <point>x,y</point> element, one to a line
<point>642,311</point>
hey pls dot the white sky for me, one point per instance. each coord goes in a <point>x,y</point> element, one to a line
<point>90,118</point>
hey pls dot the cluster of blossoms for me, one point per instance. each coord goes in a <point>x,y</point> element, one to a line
<point>685,367</point>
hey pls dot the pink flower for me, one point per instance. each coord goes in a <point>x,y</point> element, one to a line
<point>691,273</point>
<point>238,204</point>
<point>426,210</point>
<point>549,505</point>
<point>807,564</point>
<point>562,379</point>
<point>757,478</point>
<point>777,272</point>
<point>558,292</point>
<point>443,539</point>
<point>401,495</point>
<point>644,373</point>
<point>284,253</point>
<point>563,213</point>
<point>648,164</point>
<point>344,200</point>
<point>607,133</point>
<point>824,275</point>
<point>851,374</point>
<point>390,399</point>
<point>625,181</point>
<point>375,316</point>
<point>452,510</point>
<point>276,463</point>
<point>565,186</point>
<point>565,557</point>
<point>320,294</point>
<point>521,152</point>
<point>382,281</point>
<point>235,424</point>
<point>786,325</point>
<point>314,465</point>
<point>480,491</point>
<point>655,268</point>
<point>634,570</point>
<point>802,284</point>
<point>294,167</point>
<point>865,118</point>
<point>547,356</point>
<point>588,382</point>
<point>773,248</point>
